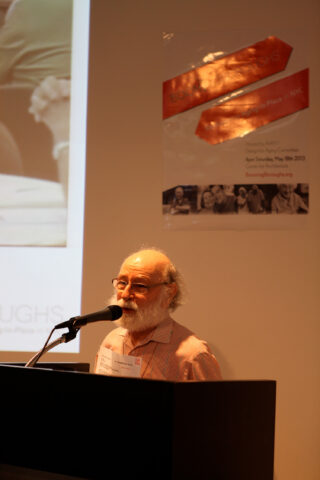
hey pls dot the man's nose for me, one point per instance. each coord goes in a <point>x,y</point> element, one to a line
<point>126,292</point>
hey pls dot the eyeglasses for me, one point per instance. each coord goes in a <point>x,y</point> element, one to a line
<point>134,287</point>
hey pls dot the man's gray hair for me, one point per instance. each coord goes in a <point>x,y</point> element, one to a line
<point>174,276</point>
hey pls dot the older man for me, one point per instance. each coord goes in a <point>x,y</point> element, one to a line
<point>148,287</point>
<point>180,204</point>
<point>223,203</point>
<point>287,201</point>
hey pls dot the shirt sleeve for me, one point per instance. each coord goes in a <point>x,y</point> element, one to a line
<point>204,367</point>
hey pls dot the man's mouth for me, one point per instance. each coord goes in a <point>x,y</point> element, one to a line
<point>128,310</point>
<point>127,307</point>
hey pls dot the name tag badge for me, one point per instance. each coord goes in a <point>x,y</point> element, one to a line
<point>112,363</point>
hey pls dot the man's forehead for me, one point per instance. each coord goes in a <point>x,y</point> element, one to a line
<point>145,263</point>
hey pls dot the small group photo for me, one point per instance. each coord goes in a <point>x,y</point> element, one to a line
<point>257,199</point>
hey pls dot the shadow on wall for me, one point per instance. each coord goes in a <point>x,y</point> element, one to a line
<point>226,370</point>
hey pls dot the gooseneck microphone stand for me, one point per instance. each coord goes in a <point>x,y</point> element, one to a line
<point>112,312</point>
<point>65,338</point>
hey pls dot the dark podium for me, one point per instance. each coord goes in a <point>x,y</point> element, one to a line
<point>65,424</point>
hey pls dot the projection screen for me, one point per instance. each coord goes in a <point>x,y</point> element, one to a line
<point>43,96</point>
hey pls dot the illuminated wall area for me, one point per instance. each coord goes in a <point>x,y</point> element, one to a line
<point>247,141</point>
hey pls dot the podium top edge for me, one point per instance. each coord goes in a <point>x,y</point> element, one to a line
<point>82,367</point>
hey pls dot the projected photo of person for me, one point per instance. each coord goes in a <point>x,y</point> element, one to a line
<point>256,200</point>
<point>287,200</point>
<point>42,167</point>
<point>35,76</point>
<point>180,204</point>
<point>205,200</point>
<point>224,199</point>
<point>242,203</point>
<point>180,200</point>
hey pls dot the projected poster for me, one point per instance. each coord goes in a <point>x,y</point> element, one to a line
<point>43,91</point>
<point>235,130</point>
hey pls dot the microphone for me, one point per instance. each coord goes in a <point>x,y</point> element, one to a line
<point>113,312</point>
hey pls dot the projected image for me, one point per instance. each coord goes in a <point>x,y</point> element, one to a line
<point>283,198</point>
<point>44,46</point>
<point>35,84</point>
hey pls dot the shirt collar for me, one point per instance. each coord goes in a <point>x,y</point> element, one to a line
<point>163,331</point>
<point>161,334</point>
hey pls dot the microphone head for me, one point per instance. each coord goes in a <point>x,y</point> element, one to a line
<point>116,312</point>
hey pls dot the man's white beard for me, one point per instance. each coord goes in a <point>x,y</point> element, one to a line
<point>143,318</point>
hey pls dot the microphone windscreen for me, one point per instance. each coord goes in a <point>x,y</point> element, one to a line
<point>116,311</point>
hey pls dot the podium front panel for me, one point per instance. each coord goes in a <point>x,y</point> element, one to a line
<point>85,425</point>
<point>228,430</point>
<point>98,427</point>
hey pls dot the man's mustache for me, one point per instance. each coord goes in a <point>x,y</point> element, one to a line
<point>127,304</point>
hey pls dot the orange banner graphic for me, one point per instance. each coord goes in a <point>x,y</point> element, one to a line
<point>224,75</point>
<point>248,112</point>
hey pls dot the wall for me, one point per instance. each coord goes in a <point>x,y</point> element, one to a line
<point>252,294</point>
